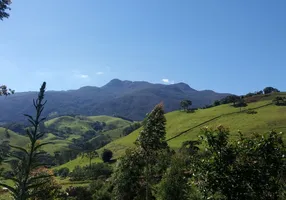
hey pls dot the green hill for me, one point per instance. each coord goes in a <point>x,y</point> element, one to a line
<point>13,137</point>
<point>62,130</point>
<point>182,126</point>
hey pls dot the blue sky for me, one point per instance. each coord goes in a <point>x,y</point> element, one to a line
<point>227,46</point>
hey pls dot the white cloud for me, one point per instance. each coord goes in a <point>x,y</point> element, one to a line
<point>77,74</point>
<point>99,73</point>
<point>165,80</point>
<point>83,76</point>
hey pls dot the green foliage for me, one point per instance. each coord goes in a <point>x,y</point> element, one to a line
<point>79,193</point>
<point>4,6</point>
<point>146,163</point>
<point>62,172</point>
<point>4,150</point>
<point>152,137</point>
<point>230,99</point>
<point>174,184</point>
<point>127,176</point>
<point>92,172</point>
<point>249,168</point>
<point>185,104</point>
<point>29,160</point>
<point>269,90</point>
<point>106,155</point>
<point>100,190</point>
<point>48,188</point>
<point>216,103</point>
<point>279,101</point>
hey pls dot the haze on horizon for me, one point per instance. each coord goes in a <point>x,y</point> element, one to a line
<point>236,46</point>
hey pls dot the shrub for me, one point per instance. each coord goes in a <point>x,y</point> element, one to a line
<point>106,155</point>
<point>63,172</point>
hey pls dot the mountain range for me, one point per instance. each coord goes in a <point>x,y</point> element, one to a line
<point>130,99</point>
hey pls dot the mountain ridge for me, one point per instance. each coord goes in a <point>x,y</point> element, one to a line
<point>132,99</point>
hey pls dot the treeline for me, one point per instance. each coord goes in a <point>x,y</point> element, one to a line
<point>239,101</point>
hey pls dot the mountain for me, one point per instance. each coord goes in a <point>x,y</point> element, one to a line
<point>130,99</point>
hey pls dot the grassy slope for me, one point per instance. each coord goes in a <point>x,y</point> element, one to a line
<point>268,118</point>
<point>79,127</point>
<point>15,139</point>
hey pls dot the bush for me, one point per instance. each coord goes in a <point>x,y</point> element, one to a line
<point>106,155</point>
<point>216,103</point>
<point>63,172</point>
<point>77,174</point>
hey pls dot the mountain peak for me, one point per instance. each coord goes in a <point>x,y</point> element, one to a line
<point>183,86</point>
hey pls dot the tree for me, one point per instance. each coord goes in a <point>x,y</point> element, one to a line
<point>4,91</point>
<point>28,159</point>
<point>127,176</point>
<point>152,144</point>
<point>89,152</point>
<point>4,150</point>
<point>106,155</point>
<point>279,100</point>
<point>174,184</point>
<point>249,168</point>
<point>216,103</point>
<point>49,188</point>
<point>141,168</point>
<point>269,90</point>
<point>185,104</point>
<point>4,6</point>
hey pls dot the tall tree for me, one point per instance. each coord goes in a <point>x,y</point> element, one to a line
<point>4,6</point>
<point>141,168</point>
<point>152,144</point>
<point>25,182</point>
<point>89,151</point>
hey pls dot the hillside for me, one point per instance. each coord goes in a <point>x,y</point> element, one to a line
<point>62,130</point>
<point>124,98</point>
<point>182,126</point>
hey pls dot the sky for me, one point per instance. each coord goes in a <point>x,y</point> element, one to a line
<point>236,46</point>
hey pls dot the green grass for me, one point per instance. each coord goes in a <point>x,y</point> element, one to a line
<point>65,183</point>
<point>270,117</point>
<point>78,126</point>
<point>79,161</point>
<point>15,139</point>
